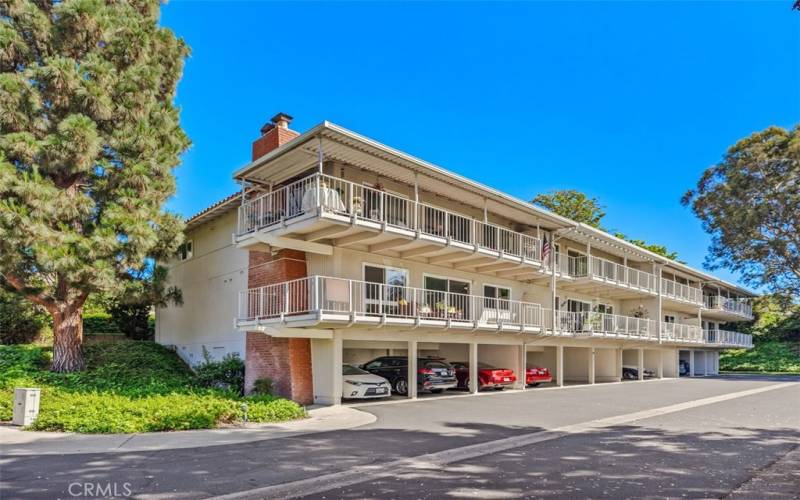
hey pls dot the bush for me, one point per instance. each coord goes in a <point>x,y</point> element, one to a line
<point>127,387</point>
<point>764,357</point>
<point>227,374</point>
<point>99,322</point>
<point>263,386</point>
<point>21,322</point>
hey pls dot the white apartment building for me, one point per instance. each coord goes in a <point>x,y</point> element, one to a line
<point>340,249</point>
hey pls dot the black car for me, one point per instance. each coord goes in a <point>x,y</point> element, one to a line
<point>632,373</point>
<point>433,374</point>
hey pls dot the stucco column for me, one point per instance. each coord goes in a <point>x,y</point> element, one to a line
<point>660,373</point>
<point>560,365</point>
<point>691,362</point>
<point>640,362</point>
<point>522,360</point>
<point>592,355</point>
<point>618,364</point>
<point>336,350</point>
<point>473,368</point>
<point>412,369</point>
<point>706,359</point>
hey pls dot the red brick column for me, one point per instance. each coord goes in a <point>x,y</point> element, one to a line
<point>286,361</point>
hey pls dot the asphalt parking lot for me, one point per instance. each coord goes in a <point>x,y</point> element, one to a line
<point>690,437</point>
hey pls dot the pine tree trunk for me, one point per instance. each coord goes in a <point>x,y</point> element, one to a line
<point>68,341</point>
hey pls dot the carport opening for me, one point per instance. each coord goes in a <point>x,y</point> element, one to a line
<point>576,365</point>
<point>538,358</point>
<point>684,363</point>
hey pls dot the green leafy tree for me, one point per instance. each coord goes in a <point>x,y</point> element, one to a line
<point>572,204</point>
<point>579,207</point>
<point>750,205</point>
<point>131,311</point>
<point>89,136</point>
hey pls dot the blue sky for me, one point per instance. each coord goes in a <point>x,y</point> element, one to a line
<point>628,101</point>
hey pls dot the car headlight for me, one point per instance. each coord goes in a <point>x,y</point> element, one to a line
<point>353,382</point>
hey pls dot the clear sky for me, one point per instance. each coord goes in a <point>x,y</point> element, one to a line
<point>628,101</point>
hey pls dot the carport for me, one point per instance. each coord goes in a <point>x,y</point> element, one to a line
<point>578,365</point>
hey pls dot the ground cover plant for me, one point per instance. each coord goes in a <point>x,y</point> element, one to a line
<point>129,387</point>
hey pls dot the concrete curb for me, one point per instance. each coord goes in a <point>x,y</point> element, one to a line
<point>18,442</point>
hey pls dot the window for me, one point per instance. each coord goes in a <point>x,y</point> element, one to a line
<point>185,250</point>
<point>669,319</point>
<point>492,293</point>
<point>604,308</point>
<point>447,297</point>
<point>385,290</point>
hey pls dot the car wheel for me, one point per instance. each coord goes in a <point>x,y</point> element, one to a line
<point>628,376</point>
<point>401,386</point>
<point>536,384</point>
<point>466,384</point>
<point>499,388</point>
<point>436,391</point>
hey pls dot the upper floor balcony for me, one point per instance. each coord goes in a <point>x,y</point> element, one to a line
<point>322,208</point>
<point>727,338</point>
<point>730,308</point>
<point>681,293</point>
<point>591,270</point>
<point>340,302</point>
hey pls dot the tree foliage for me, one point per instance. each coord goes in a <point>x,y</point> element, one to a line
<point>89,136</point>
<point>579,207</point>
<point>750,205</point>
<point>574,205</point>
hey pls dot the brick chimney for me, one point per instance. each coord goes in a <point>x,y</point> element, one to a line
<point>273,135</point>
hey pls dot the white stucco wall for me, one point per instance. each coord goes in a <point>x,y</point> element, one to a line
<point>210,282</point>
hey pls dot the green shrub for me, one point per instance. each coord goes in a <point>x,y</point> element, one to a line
<point>21,322</point>
<point>263,386</point>
<point>764,357</point>
<point>227,373</point>
<point>128,387</point>
<point>99,322</point>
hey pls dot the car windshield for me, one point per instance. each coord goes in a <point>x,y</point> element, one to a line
<point>352,370</point>
<point>435,364</point>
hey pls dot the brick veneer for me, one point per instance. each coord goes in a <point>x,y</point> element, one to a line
<point>286,361</point>
<point>272,138</point>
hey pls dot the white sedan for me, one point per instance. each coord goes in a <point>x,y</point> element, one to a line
<point>361,384</point>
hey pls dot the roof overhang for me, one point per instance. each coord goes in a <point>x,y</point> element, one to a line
<point>215,211</point>
<point>338,143</point>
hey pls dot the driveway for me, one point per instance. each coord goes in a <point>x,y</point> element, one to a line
<point>691,437</point>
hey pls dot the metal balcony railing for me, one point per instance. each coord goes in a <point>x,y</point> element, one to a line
<point>595,323</point>
<point>612,272</point>
<point>681,333</point>
<point>742,307</point>
<point>324,193</point>
<point>728,338</point>
<point>679,291</point>
<point>339,296</point>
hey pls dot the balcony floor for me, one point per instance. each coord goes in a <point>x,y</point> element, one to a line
<point>341,231</point>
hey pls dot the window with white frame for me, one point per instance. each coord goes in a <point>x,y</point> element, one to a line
<point>185,250</point>
<point>493,293</point>
<point>385,289</point>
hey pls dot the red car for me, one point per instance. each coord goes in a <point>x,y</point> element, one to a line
<point>536,375</point>
<point>489,376</point>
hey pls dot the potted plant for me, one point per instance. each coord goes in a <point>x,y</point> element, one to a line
<point>358,203</point>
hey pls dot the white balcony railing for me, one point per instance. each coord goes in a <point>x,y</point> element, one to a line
<point>338,296</point>
<point>612,272</point>
<point>742,307</point>
<point>595,323</point>
<point>728,338</point>
<point>679,291</point>
<point>319,192</point>
<point>677,332</point>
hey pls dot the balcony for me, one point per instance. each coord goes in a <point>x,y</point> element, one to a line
<point>724,338</point>
<point>740,308</point>
<point>321,299</point>
<point>675,332</point>
<point>589,271</point>
<point>595,324</point>
<point>681,293</point>
<point>321,207</point>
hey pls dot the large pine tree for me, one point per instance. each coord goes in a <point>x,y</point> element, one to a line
<point>89,136</point>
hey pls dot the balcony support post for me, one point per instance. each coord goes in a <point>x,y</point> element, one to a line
<point>474,382</point>
<point>522,361</point>
<point>640,362</point>
<point>319,153</point>
<point>337,347</point>
<point>660,373</point>
<point>560,366</point>
<point>618,363</point>
<point>592,355</point>
<point>659,295</point>
<point>416,202</point>
<point>691,362</point>
<point>589,260</point>
<point>412,369</point>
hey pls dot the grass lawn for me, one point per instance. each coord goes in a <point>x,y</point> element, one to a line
<point>765,357</point>
<point>127,387</point>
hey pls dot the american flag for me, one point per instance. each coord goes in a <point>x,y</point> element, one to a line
<point>546,250</point>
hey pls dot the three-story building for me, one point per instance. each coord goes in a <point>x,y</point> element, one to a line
<point>340,249</point>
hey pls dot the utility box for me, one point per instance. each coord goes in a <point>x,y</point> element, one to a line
<point>26,406</point>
